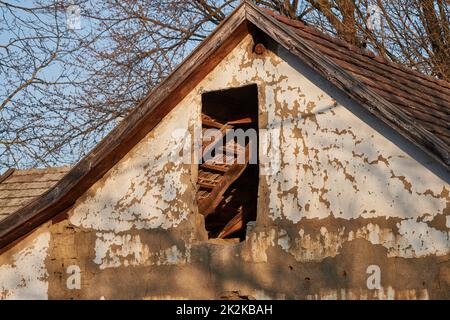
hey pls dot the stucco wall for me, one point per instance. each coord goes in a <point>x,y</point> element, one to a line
<point>347,209</point>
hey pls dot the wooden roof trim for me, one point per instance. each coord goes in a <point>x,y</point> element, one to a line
<point>130,131</point>
<point>389,113</point>
<point>6,174</point>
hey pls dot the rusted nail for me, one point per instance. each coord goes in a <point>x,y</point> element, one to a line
<point>260,48</point>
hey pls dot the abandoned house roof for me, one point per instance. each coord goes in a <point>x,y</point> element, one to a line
<point>416,106</point>
<point>424,99</point>
<point>19,187</point>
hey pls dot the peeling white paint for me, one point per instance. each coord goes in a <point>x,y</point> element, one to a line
<point>413,240</point>
<point>113,251</point>
<point>145,189</point>
<point>26,277</point>
<point>333,163</point>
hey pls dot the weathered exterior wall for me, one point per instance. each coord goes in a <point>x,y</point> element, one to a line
<point>342,200</point>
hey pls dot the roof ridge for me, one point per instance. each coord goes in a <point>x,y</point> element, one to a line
<point>368,53</point>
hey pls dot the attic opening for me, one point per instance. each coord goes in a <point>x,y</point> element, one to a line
<point>228,175</point>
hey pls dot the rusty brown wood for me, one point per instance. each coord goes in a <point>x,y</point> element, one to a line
<point>206,184</point>
<point>211,145</point>
<point>246,120</point>
<point>260,48</point>
<point>215,167</point>
<point>235,224</point>
<point>211,123</point>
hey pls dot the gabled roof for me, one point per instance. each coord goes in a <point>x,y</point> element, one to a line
<point>416,106</point>
<point>424,99</point>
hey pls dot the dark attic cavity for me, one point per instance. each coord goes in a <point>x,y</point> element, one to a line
<point>229,174</point>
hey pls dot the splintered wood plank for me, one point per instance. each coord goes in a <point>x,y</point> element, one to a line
<point>208,180</point>
<point>232,148</point>
<point>202,194</point>
<point>206,184</point>
<point>214,140</point>
<point>221,159</point>
<point>209,176</point>
<point>210,122</point>
<point>246,120</point>
<point>209,143</point>
<point>234,225</point>
<point>208,205</point>
<point>216,167</point>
